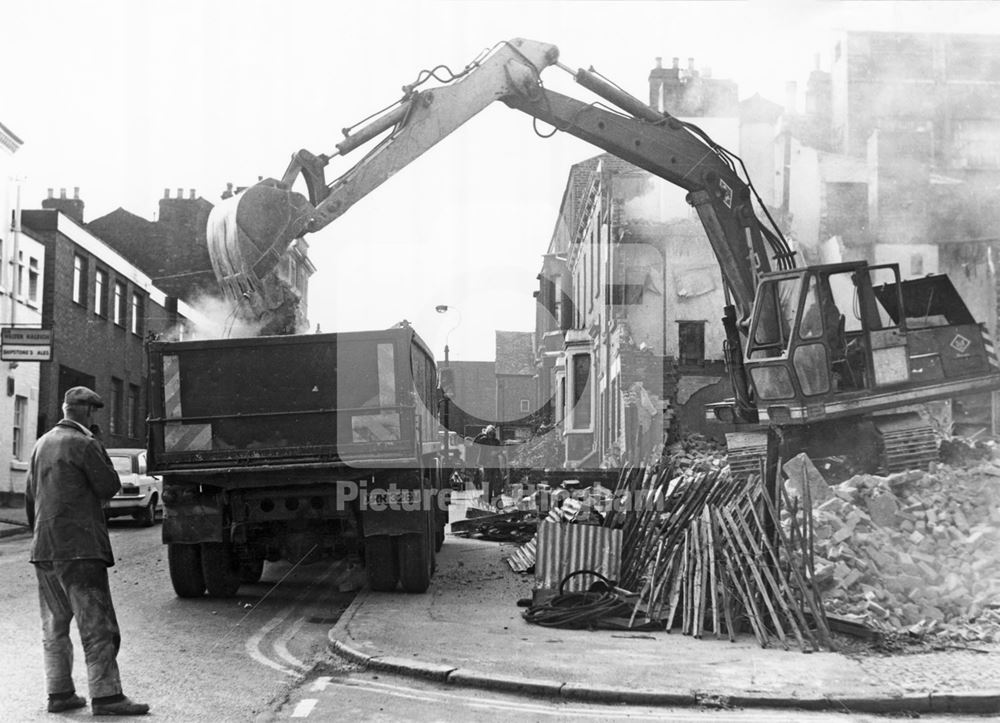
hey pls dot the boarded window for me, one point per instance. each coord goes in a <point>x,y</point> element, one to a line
<point>691,342</point>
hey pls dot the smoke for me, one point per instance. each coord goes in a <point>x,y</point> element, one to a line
<point>221,318</point>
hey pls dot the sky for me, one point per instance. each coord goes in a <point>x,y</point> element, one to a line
<point>125,99</point>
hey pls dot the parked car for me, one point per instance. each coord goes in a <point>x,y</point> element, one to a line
<point>140,494</point>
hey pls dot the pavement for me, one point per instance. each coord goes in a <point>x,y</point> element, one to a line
<point>467,630</point>
<point>13,520</point>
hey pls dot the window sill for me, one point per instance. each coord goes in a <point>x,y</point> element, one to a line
<point>18,466</point>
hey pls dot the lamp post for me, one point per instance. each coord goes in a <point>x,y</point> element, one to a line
<point>446,393</point>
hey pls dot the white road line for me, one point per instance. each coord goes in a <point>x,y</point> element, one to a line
<point>320,684</point>
<point>304,708</point>
<point>254,642</point>
<point>281,645</point>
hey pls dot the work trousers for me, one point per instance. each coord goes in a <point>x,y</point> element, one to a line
<point>78,588</point>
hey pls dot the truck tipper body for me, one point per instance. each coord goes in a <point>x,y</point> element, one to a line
<point>294,447</point>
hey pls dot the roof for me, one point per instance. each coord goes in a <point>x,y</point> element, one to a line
<point>515,353</point>
<point>8,139</point>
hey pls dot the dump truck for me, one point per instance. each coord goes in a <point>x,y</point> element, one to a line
<point>297,448</point>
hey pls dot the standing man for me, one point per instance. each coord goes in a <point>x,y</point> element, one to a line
<point>489,461</point>
<point>69,478</point>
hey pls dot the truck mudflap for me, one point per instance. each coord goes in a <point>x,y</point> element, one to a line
<point>192,523</point>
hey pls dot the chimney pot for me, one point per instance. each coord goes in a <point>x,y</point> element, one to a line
<point>166,193</point>
<point>52,192</point>
<point>62,193</point>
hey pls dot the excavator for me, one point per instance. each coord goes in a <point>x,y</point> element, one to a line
<point>829,359</point>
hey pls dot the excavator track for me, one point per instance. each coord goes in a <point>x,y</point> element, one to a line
<point>747,453</point>
<point>908,442</point>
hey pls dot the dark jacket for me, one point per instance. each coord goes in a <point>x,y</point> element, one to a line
<point>69,478</point>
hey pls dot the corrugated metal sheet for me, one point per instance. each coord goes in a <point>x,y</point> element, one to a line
<point>523,558</point>
<point>564,548</point>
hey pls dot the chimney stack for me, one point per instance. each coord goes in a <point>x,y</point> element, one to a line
<point>72,207</point>
<point>659,63</point>
<point>191,193</point>
<point>166,193</point>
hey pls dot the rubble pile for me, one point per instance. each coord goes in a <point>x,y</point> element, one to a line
<point>915,552</point>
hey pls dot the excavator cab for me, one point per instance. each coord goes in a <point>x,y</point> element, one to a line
<point>826,341</point>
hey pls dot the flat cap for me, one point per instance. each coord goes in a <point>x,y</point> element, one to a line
<point>83,395</point>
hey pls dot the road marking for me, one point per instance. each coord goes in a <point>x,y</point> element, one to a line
<point>254,643</point>
<point>320,684</point>
<point>281,645</point>
<point>304,708</point>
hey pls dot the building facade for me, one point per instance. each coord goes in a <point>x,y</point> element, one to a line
<point>22,262</point>
<point>628,332</point>
<point>102,310</point>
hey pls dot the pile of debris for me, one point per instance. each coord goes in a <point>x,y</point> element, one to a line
<point>915,552</point>
<point>704,559</point>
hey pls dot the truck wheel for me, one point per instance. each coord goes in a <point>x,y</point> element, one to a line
<point>415,561</point>
<point>251,570</point>
<point>221,569</point>
<point>380,563</point>
<point>186,576</point>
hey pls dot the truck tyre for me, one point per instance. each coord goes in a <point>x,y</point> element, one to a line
<point>186,576</point>
<point>251,569</point>
<point>415,562</point>
<point>221,569</point>
<point>380,563</point>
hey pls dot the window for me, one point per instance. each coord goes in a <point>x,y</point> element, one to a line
<point>525,405</point>
<point>20,417</point>
<point>80,280</point>
<point>119,304</point>
<point>581,391</point>
<point>33,280</point>
<point>115,411</point>
<point>621,294</point>
<point>136,314</point>
<point>19,272</point>
<point>132,412</point>
<point>691,342</point>
<point>101,293</point>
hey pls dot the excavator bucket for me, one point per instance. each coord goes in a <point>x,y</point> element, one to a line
<point>248,233</point>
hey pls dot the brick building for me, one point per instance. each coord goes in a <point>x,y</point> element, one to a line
<point>101,309</point>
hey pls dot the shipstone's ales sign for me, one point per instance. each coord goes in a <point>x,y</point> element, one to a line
<point>25,344</point>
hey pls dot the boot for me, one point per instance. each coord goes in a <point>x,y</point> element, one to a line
<point>125,706</point>
<point>58,705</point>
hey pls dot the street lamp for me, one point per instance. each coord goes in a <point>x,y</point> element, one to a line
<point>446,393</point>
<point>444,309</point>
